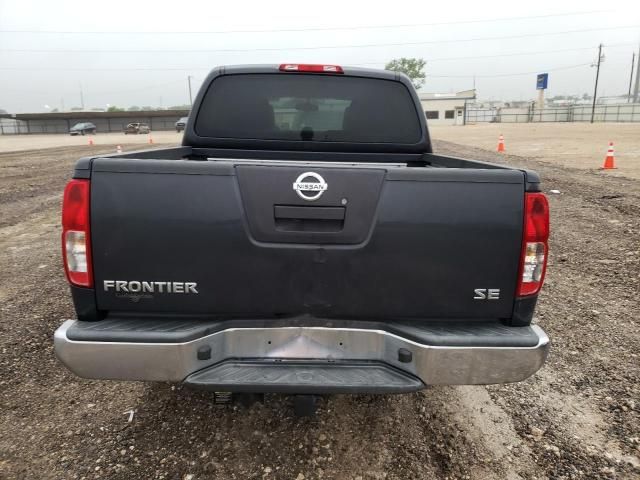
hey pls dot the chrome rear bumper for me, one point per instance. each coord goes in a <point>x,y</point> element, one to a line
<point>431,364</point>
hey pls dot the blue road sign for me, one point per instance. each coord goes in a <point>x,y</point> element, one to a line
<point>541,81</point>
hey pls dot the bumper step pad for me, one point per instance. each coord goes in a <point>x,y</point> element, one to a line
<point>304,378</point>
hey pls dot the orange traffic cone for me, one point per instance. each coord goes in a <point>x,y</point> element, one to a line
<point>609,160</point>
<point>90,142</point>
<point>150,140</point>
<point>501,143</point>
<point>118,149</point>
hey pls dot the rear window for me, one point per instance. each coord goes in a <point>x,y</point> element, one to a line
<point>300,107</point>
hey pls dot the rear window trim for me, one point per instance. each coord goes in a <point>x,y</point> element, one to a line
<point>305,145</point>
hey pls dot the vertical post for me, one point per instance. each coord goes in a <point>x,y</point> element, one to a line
<point>595,89</point>
<point>637,87</point>
<point>541,102</point>
<point>190,97</point>
<point>540,98</point>
<point>81,97</point>
<point>633,59</point>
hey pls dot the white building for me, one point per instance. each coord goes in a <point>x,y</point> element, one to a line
<point>446,108</point>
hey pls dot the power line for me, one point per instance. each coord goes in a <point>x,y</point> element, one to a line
<point>206,68</point>
<point>379,62</point>
<point>323,47</point>
<point>105,92</point>
<point>307,29</point>
<point>555,69</point>
<point>511,54</point>
<point>99,69</point>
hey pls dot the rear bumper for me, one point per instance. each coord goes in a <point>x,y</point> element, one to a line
<point>302,359</point>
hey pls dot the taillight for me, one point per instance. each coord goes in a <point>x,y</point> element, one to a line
<point>533,259</point>
<point>76,243</point>
<point>296,67</point>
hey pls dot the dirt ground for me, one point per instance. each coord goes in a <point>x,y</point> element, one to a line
<point>579,417</point>
<point>576,145</point>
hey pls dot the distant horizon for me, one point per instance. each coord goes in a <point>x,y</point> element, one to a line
<point>187,108</point>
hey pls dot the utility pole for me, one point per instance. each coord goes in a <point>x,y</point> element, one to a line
<point>637,87</point>
<point>81,97</point>
<point>633,59</point>
<point>595,90</point>
<point>190,98</point>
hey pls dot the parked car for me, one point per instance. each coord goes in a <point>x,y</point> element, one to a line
<point>181,124</point>
<point>83,129</point>
<point>323,247</point>
<point>136,128</point>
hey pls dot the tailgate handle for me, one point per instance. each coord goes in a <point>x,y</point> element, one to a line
<point>308,213</point>
<point>289,218</point>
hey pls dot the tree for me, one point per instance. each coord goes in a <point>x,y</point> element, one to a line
<point>411,67</point>
<point>113,108</point>
<point>134,108</point>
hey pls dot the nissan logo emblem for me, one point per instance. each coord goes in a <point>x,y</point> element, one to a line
<point>310,186</point>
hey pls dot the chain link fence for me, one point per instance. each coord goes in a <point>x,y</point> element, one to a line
<point>628,112</point>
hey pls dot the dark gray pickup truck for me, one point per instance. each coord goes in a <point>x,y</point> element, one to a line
<point>304,239</point>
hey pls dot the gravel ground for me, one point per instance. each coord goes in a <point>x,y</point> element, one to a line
<point>573,144</point>
<point>579,417</point>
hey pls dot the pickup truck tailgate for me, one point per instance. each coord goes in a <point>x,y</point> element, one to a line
<point>380,242</point>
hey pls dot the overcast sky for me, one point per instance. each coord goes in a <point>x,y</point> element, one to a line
<point>140,53</point>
